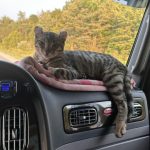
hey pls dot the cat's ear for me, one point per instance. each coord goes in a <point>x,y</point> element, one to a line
<point>38,31</point>
<point>63,35</point>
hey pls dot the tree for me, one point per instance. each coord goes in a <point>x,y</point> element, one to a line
<point>6,20</point>
<point>21,16</point>
<point>96,25</point>
<point>33,19</point>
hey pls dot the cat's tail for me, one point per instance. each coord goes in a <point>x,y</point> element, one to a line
<point>128,89</point>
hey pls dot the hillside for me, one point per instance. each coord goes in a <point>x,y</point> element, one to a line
<point>97,25</point>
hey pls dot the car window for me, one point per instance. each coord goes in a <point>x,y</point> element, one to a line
<point>103,26</point>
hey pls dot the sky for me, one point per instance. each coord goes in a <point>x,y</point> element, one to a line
<point>11,8</point>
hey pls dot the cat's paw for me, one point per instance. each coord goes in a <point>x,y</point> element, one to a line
<point>61,73</point>
<point>120,128</point>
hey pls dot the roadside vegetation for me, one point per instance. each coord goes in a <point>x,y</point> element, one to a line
<point>97,25</point>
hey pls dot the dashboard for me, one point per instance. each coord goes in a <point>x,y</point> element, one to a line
<point>34,116</point>
<point>19,125</point>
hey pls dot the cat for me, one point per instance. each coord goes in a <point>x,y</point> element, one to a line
<point>85,64</point>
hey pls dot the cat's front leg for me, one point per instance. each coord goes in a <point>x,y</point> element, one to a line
<point>115,86</point>
<point>121,119</point>
<point>63,73</point>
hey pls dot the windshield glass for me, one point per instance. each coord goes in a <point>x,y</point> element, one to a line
<point>102,26</point>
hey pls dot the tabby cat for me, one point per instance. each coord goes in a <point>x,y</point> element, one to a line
<point>84,64</point>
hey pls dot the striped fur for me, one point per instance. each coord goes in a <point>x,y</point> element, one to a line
<point>84,64</point>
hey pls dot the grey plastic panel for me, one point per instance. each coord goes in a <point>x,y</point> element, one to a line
<point>135,144</point>
<point>110,141</point>
<point>54,101</point>
<point>49,103</point>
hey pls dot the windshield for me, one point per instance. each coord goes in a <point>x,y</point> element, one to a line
<point>102,26</point>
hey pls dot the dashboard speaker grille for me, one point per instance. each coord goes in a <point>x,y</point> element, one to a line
<point>81,117</point>
<point>15,134</point>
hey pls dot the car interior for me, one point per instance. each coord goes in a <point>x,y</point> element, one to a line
<point>35,116</point>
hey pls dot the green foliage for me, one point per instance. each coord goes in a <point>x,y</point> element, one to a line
<point>96,25</point>
<point>6,20</point>
<point>33,19</point>
<point>21,16</point>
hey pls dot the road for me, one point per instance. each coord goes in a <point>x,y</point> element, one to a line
<point>3,58</point>
<point>6,57</point>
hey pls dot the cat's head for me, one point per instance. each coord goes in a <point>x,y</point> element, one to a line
<point>49,43</point>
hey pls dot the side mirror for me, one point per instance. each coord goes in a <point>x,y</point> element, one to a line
<point>133,3</point>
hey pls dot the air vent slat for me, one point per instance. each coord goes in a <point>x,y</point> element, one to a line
<point>15,129</point>
<point>20,130</point>
<point>8,129</point>
<point>82,117</point>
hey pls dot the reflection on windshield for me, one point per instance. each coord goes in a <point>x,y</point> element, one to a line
<point>99,25</point>
<point>134,3</point>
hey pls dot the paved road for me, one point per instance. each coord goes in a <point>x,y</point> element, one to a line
<point>5,57</point>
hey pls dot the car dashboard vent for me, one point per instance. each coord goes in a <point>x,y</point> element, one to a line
<point>15,125</point>
<point>82,117</point>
